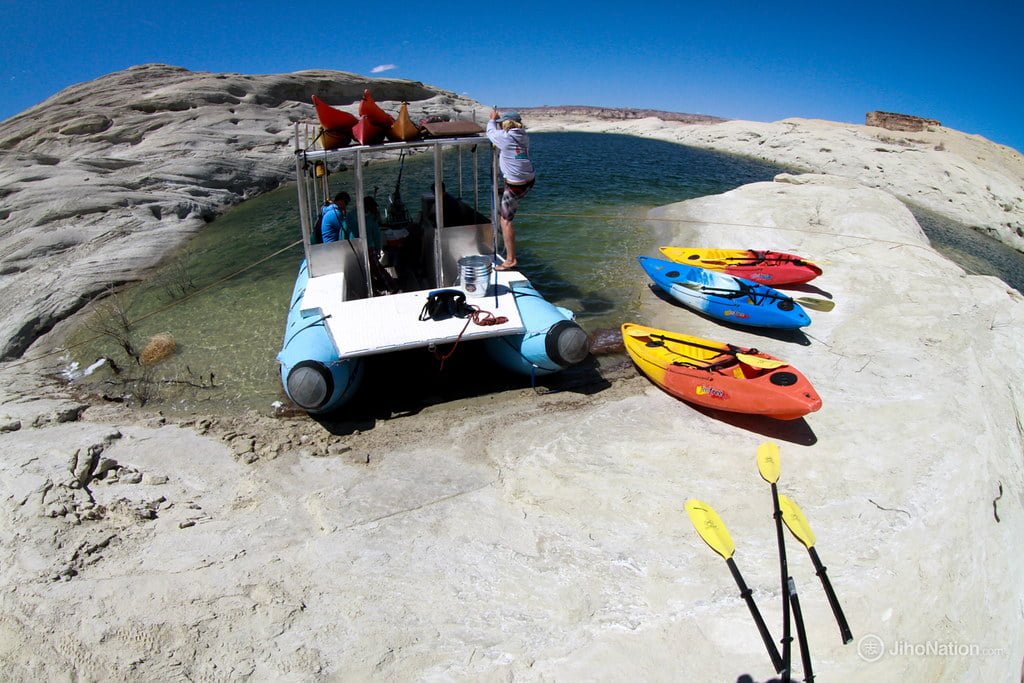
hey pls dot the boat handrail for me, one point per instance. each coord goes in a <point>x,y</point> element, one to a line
<point>326,154</point>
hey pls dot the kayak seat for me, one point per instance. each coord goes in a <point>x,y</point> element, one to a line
<point>744,371</point>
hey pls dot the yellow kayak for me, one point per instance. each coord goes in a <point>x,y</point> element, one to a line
<point>719,375</point>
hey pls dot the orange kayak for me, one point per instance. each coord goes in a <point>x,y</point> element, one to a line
<point>403,129</point>
<point>333,139</point>
<point>719,375</point>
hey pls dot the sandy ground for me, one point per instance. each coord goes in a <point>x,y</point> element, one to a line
<point>542,536</point>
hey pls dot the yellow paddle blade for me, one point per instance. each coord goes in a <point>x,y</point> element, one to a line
<point>759,362</point>
<point>768,463</point>
<point>795,521</point>
<point>710,527</point>
<point>815,304</point>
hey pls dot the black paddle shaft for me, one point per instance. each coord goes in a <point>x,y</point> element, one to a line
<point>727,293</point>
<point>762,628</point>
<point>787,639</point>
<point>805,651</point>
<point>833,601</point>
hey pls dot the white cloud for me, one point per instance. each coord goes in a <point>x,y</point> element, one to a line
<point>383,67</point>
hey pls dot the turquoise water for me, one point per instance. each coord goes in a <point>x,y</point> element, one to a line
<point>579,232</point>
<point>976,253</point>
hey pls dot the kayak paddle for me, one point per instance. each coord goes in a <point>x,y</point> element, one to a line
<point>769,466</point>
<point>759,362</point>
<point>747,358</point>
<point>798,618</point>
<point>797,523</point>
<point>712,529</point>
<point>753,261</point>
<point>808,302</point>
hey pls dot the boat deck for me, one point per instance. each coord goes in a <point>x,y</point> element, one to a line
<point>391,323</point>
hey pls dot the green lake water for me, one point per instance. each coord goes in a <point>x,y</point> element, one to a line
<point>579,232</point>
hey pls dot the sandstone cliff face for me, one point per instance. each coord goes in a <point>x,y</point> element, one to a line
<point>106,178</point>
<point>903,122</point>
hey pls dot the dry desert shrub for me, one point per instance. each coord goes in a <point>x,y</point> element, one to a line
<point>159,347</point>
<point>113,320</point>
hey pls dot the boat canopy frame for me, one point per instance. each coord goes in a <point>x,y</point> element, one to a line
<point>437,146</point>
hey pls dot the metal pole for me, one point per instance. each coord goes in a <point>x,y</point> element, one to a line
<point>303,209</point>
<point>494,218</point>
<point>361,221</point>
<point>438,214</point>
<point>460,171</point>
<point>494,200</point>
<point>475,149</point>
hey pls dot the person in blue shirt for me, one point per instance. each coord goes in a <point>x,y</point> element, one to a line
<point>334,226</point>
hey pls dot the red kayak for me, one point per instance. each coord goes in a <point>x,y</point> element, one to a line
<point>767,267</point>
<point>366,132</point>
<point>331,118</point>
<point>368,107</point>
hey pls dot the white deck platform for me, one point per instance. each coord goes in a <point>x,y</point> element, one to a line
<point>391,323</point>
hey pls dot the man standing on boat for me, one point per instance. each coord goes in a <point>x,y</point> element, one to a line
<point>506,132</point>
<point>333,226</point>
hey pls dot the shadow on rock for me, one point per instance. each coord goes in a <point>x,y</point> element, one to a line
<point>807,288</point>
<point>793,431</point>
<point>406,382</point>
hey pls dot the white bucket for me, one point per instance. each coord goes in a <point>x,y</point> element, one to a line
<point>475,274</point>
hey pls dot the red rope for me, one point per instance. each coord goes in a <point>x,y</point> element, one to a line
<point>478,316</point>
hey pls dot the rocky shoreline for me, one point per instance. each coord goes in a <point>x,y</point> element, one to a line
<point>541,535</point>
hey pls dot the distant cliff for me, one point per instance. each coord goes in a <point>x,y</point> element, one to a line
<point>613,114</point>
<point>902,122</point>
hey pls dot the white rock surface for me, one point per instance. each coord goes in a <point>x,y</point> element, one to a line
<point>543,537</point>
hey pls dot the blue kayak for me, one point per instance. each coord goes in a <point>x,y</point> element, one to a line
<point>725,297</point>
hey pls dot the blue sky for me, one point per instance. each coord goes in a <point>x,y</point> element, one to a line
<point>958,62</point>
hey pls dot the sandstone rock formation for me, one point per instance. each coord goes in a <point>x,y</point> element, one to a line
<point>904,122</point>
<point>107,178</point>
